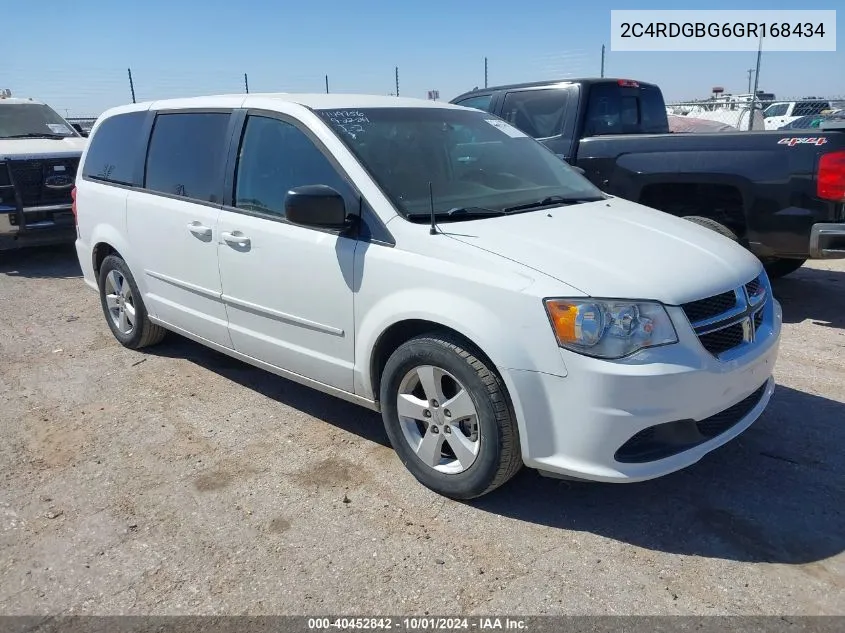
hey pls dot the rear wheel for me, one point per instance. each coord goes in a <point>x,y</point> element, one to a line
<point>780,267</point>
<point>448,418</point>
<point>713,225</point>
<point>123,307</point>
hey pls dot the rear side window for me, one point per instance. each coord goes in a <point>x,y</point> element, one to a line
<point>186,153</point>
<point>112,149</point>
<point>615,110</point>
<point>481,102</point>
<point>809,108</point>
<point>538,113</point>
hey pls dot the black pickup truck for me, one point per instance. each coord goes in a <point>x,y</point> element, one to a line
<point>780,193</point>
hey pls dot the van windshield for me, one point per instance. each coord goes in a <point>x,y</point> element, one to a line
<point>32,120</point>
<point>457,160</point>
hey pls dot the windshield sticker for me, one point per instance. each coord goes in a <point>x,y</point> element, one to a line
<point>803,140</point>
<point>58,128</point>
<point>507,128</point>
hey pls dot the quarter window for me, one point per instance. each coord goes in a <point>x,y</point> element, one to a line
<point>479,103</point>
<point>112,149</point>
<point>186,153</point>
<point>275,157</point>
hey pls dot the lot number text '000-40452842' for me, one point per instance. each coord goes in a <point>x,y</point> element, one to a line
<point>425,623</point>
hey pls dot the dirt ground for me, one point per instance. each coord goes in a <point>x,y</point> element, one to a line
<point>178,481</point>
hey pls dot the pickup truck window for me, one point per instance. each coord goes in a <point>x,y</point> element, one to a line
<point>809,108</point>
<point>776,109</point>
<point>472,159</point>
<point>538,113</point>
<point>615,110</point>
<point>479,103</point>
<point>32,120</point>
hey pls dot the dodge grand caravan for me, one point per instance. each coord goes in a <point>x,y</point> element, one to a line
<point>435,264</point>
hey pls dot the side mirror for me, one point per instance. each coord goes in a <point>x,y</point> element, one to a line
<point>78,128</point>
<point>316,206</point>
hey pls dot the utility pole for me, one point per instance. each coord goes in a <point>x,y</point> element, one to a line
<point>756,85</point>
<point>327,84</point>
<point>485,72</point>
<point>397,81</point>
<point>246,83</point>
<point>602,60</point>
<point>750,72</point>
<point>131,84</point>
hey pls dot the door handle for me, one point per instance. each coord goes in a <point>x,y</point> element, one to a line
<point>199,230</point>
<point>235,237</point>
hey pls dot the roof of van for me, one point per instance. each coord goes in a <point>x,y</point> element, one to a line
<point>316,101</point>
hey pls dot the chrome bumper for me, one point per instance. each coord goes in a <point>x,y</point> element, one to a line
<point>827,241</point>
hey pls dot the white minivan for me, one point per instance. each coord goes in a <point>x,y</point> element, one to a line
<point>435,264</point>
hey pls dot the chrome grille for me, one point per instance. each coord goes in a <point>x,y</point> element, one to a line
<point>729,320</point>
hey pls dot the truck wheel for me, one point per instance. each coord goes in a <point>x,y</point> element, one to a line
<point>448,418</point>
<point>712,225</point>
<point>780,267</point>
<point>124,309</point>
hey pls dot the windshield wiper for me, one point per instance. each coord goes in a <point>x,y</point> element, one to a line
<point>36,135</point>
<point>550,200</point>
<point>463,212</point>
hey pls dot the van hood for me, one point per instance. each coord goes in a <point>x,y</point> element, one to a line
<point>24,148</point>
<point>615,249</point>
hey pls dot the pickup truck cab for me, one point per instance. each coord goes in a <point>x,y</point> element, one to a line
<point>434,263</point>
<point>778,114</point>
<point>39,154</point>
<point>781,194</point>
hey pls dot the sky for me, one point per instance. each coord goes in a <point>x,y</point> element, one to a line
<point>75,56</point>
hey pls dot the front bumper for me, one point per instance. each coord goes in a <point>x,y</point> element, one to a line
<point>827,241</point>
<point>576,425</point>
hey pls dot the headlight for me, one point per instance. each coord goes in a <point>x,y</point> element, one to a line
<point>609,328</point>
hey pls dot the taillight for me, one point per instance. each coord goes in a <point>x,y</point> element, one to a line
<point>830,179</point>
<point>73,206</point>
<point>628,83</point>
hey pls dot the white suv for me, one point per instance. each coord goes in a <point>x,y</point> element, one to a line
<point>431,262</point>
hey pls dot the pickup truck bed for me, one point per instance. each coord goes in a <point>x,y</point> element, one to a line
<point>781,193</point>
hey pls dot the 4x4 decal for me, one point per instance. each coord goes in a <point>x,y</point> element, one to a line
<point>803,140</point>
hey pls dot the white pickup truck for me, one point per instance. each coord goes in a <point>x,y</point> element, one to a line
<point>39,154</point>
<point>779,114</point>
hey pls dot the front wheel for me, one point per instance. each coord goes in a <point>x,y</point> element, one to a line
<point>448,417</point>
<point>713,225</point>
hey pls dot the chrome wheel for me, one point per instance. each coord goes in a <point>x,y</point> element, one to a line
<point>119,302</point>
<point>438,419</point>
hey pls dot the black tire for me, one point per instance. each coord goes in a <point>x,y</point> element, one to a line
<point>713,225</point>
<point>781,267</point>
<point>143,331</point>
<point>498,457</point>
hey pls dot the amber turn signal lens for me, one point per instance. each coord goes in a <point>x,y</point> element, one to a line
<point>562,316</point>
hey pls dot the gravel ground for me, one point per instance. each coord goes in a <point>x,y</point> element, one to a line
<point>179,481</point>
